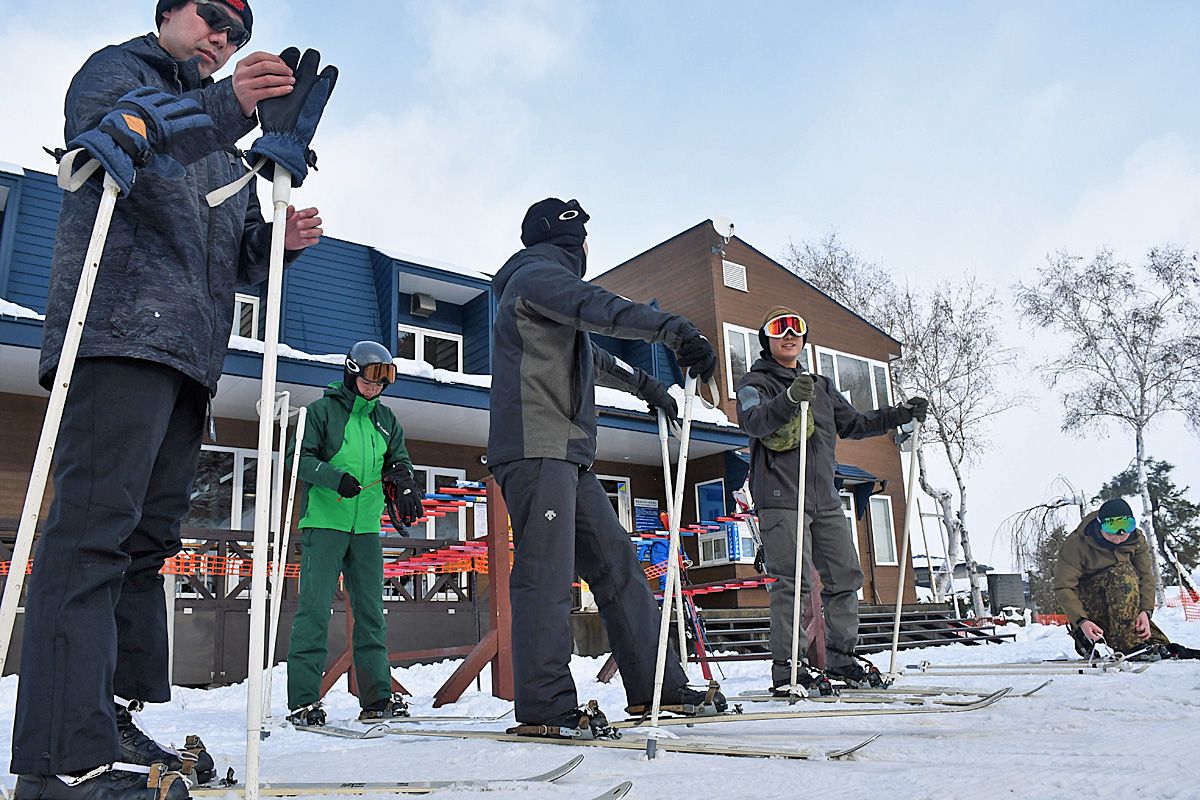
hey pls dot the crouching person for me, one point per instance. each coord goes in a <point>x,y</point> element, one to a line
<point>1104,583</point>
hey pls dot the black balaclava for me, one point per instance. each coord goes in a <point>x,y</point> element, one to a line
<point>558,223</point>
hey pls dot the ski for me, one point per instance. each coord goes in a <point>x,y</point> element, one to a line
<point>402,787</point>
<point>936,691</point>
<point>376,731</point>
<point>447,718</point>
<point>908,694</point>
<point>754,716</point>
<point>1032,667</point>
<point>639,743</point>
<point>878,698</point>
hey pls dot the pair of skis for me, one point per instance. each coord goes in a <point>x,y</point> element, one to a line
<point>413,787</point>
<point>1051,667</point>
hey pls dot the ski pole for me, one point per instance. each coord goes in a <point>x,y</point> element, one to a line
<point>32,509</point>
<point>666,459</point>
<point>689,393</point>
<point>284,409</point>
<point>280,196</point>
<point>364,486</point>
<point>280,562</point>
<point>797,594</point>
<point>911,503</point>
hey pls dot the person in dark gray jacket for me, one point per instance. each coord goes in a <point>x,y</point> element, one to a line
<point>768,406</point>
<point>152,351</point>
<point>541,447</point>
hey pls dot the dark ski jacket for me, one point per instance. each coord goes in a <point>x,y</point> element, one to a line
<point>763,408</point>
<point>164,290</point>
<point>544,365</point>
<point>1084,554</point>
<point>346,433</point>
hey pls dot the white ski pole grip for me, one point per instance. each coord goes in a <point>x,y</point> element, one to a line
<point>31,511</point>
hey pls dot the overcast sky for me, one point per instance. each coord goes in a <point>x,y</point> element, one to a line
<point>935,138</point>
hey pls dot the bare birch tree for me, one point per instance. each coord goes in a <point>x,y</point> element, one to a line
<point>952,356</point>
<point>1133,347</point>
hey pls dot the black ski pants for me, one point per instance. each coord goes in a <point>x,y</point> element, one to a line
<point>95,616</point>
<point>563,524</point>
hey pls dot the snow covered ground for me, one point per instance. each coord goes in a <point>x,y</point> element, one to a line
<point>1117,735</point>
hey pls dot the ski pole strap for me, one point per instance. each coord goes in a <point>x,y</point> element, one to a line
<point>218,196</point>
<point>71,179</point>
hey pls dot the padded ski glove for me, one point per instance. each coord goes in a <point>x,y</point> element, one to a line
<point>696,355</point>
<point>134,134</point>
<point>289,122</point>
<point>657,396</point>
<point>801,389</point>
<point>914,408</point>
<point>349,486</point>
<point>403,501</point>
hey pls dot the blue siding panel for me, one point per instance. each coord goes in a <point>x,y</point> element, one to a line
<point>37,210</point>
<point>383,278</point>
<point>477,335</point>
<point>330,299</point>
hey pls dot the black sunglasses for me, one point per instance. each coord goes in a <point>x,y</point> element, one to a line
<point>219,22</point>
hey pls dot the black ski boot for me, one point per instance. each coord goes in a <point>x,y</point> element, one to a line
<point>588,722</point>
<point>388,708</point>
<point>852,674</point>
<point>136,746</point>
<point>685,701</point>
<point>104,783</point>
<point>1179,651</point>
<point>308,716</point>
<point>808,677</point>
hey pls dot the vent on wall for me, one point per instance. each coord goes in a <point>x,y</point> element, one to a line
<point>734,275</point>
<point>422,305</point>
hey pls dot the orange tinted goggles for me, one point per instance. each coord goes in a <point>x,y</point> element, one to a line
<point>379,373</point>
<point>778,327</point>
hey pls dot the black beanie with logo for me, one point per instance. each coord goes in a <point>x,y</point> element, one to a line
<point>554,221</point>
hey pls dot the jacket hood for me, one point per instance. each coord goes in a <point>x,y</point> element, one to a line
<point>151,51</point>
<point>533,255</point>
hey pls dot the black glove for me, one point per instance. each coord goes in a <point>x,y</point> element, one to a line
<point>349,486</point>
<point>696,355</point>
<point>657,396</point>
<point>402,500</point>
<point>914,408</point>
<point>290,122</point>
<point>801,389</point>
<point>760,561</point>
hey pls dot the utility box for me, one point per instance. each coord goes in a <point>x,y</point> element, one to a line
<point>732,544</point>
<point>1005,590</point>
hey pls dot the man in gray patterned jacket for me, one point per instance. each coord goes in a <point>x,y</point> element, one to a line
<point>152,351</point>
<point>541,448</point>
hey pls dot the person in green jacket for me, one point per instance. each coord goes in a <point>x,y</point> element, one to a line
<point>1104,583</point>
<point>354,462</point>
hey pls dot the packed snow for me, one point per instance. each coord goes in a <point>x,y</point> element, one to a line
<point>1085,736</point>
<point>10,309</point>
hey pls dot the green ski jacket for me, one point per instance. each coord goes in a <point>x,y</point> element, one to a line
<point>346,434</point>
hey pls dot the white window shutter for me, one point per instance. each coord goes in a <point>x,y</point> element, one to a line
<point>734,276</point>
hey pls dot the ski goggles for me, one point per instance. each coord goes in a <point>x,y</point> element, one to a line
<point>379,373</point>
<point>221,22</point>
<point>1115,526</point>
<point>778,327</point>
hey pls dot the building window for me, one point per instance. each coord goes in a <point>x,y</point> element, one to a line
<point>710,500</point>
<point>617,489</point>
<point>453,526</point>
<point>883,535</point>
<point>852,523</point>
<point>437,349</point>
<point>741,349</point>
<point>245,316</point>
<point>863,381</point>
<point>734,276</point>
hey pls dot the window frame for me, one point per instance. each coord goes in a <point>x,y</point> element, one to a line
<point>256,304</point>
<point>891,517</point>
<point>624,501</point>
<point>431,472</point>
<point>696,494</point>
<point>420,334</point>
<point>871,363</point>
<point>850,511</point>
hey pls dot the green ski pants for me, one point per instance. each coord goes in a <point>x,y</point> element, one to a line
<point>358,557</point>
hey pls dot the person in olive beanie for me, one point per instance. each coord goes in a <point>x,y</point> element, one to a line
<point>768,403</point>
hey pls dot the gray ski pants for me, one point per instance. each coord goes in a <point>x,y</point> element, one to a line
<point>564,525</point>
<point>828,535</point>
